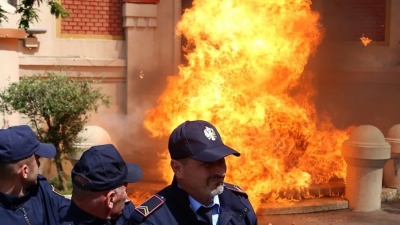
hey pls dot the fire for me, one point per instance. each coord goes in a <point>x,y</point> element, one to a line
<point>241,75</point>
<point>365,40</point>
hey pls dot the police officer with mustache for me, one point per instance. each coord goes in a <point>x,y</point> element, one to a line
<point>198,194</point>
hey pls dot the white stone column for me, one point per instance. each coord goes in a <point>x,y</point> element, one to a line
<point>153,52</point>
<point>9,66</point>
<point>143,79</point>
<point>140,24</point>
<point>365,153</point>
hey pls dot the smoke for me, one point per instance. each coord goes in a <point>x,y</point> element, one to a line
<point>124,119</point>
<point>125,131</point>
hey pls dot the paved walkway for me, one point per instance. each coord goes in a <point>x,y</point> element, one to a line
<point>388,215</point>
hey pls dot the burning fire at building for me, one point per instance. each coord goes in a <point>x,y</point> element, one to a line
<point>246,74</point>
<point>284,81</point>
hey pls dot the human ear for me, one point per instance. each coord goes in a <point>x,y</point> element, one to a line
<point>177,167</point>
<point>25,171</point>
<point>110,199</point>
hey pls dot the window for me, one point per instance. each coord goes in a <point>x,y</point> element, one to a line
<point>348,20</point>
<point>13,2</point>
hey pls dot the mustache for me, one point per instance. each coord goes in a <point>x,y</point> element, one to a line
<point>216,177</point>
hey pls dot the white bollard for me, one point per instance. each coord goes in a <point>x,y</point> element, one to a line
<point>91,135</point>
<point>365,153</point>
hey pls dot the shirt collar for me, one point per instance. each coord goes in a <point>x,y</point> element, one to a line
<point>196,205</point>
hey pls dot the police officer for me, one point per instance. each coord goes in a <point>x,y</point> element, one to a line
<point>198,194</point>
<point>100,179</point>
<point>25,196</point>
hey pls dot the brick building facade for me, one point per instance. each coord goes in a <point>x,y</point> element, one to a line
<point>344,20</point>
<point>95,17</point>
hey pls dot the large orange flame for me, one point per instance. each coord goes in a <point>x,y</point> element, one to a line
<point>248,57</point>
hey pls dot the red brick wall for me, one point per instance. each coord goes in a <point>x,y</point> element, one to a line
<point>93,17</point>
<point>141,1</point>
<point>348,20</point>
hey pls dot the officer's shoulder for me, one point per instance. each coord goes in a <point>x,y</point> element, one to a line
<point>150,205</point>
<point>56,191</point>
<point>41,178</point>
<point>235,189</point>
<point>47,186</point>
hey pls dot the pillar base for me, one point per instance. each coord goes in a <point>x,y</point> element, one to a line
<point>364,188</point>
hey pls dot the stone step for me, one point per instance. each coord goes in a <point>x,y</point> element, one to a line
<point>333,188</point>
<point>303,206</point>
<point>316,204</point>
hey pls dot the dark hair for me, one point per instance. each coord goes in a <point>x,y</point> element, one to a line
<point>8,169</point>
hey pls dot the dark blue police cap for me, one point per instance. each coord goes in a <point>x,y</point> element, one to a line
<point>104,169</point>
<point>19,142</point>
<point>198,140</point>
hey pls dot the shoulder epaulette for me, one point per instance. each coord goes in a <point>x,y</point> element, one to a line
<point>235,189</point>
<point>56,191</point>
<point>150,205</point>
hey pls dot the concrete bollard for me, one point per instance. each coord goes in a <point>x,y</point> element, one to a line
<point>391,170</point>
<point>365,153</point>
<point>92,135</point>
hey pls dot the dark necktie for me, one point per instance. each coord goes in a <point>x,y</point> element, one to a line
<point>206,214</point>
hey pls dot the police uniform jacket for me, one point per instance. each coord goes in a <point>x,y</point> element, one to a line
<point>171,206</point>
<point>39,206</point>
<point>76,216</point>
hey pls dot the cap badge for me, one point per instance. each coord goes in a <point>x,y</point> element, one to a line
<point>210,133</point>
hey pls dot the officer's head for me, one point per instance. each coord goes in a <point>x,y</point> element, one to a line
<point>20,151</point>
<point>100,178</point>
<point>198,157</point>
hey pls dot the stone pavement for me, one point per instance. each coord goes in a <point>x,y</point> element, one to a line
<point>304,206</point>
<point>388,215</point>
